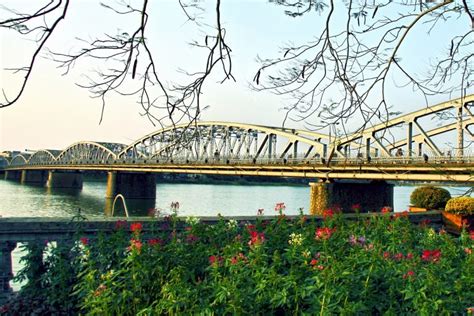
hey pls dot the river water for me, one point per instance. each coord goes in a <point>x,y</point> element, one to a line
<point>195,199</point>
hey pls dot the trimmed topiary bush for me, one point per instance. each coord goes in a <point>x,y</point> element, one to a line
<point>430,197</point>
<point>461,205</point>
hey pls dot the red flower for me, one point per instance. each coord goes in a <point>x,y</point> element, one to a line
<point>320,267</point>
<point>256,238</point>
<point>155,241</point>
<point>468,251</point>
<point>328,213</point>
<point>386,255</point>
<point>431,255</point>
<point>409,255</point>
<point>215,260</point>
<point>471,234</point>
<point>136,227</point>
<point>409,274</point>
<point>84,241</point>
<point>324,233</point>
<point>400,214</point>
<point>313,262</point>
<point>234,260</point>
<point>120,224</point>
<point>386,209</point>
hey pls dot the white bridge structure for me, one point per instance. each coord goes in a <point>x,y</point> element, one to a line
<point>404,148</point>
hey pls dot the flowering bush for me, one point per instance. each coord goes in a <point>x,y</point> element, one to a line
<point>461,205</point>
<point>381,265</point>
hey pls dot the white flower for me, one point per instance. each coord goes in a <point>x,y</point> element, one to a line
<point>232,224</point>
<point>295,239</point>
<point>191,220</point>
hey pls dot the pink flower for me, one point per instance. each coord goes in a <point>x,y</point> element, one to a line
<point>471,234</point>
<point>468,251</point>
<point>280,207</point>
<point>215,260</point>
<point>386,255</point>
<point>409,256</point>
<point>135,244</point>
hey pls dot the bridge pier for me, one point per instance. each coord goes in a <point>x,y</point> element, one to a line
<point>64,179</point>
<point>35,177</point>
<point>138,189</point>
<point>14,175</point>
<point>370,196</point>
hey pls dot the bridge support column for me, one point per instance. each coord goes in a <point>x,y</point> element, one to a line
<point>6,271</point>
<point>35,177</point>
<point>64,180</point>
<point>369,196</point>
<point>138,189</point>
<point>14,175</point>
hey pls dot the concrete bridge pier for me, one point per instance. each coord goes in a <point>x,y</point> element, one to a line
<point>35,177</point>
<point>14,175</point>
<point>138,189</point>
<point>370,196</point>
<point>64,179</point>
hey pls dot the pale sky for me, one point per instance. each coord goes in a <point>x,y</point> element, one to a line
<point>54,112</point>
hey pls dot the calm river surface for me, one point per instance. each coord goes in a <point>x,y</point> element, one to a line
<point>18,200</point>
<point>195,199</point>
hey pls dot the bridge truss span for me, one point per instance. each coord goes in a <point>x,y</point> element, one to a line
<point>204,141</point>
<point>89,153</point>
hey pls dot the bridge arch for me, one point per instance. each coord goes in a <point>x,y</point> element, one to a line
<point>43,157</point>
<point>19,160</point>
<point>211,140</point>
<point>379,140</point>
<point>89,153</point>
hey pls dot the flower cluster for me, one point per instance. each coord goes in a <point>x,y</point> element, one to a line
<point>324,233</point>
<point>329,213</point>
<point>431,255</point>
<point>136,227</point>
<point>191,220</point>
<point>155,241</point>
<point>238,258</point>
<point>256,238</point>
<point>215,261</point>
<point>135,245</point>
<point>280,207</point>
<point>354,240</point>
<point>232,224</point>
<point>295,239</point>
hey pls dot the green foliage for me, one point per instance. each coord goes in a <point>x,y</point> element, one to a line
<point>461,205</point>
<point>384,265</point>
<point>430,197</point>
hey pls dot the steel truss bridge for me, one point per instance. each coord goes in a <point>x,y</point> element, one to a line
<point>404,148</point>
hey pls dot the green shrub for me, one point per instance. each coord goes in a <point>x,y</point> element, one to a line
<point>430,197</point>
<point>460,205</point>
